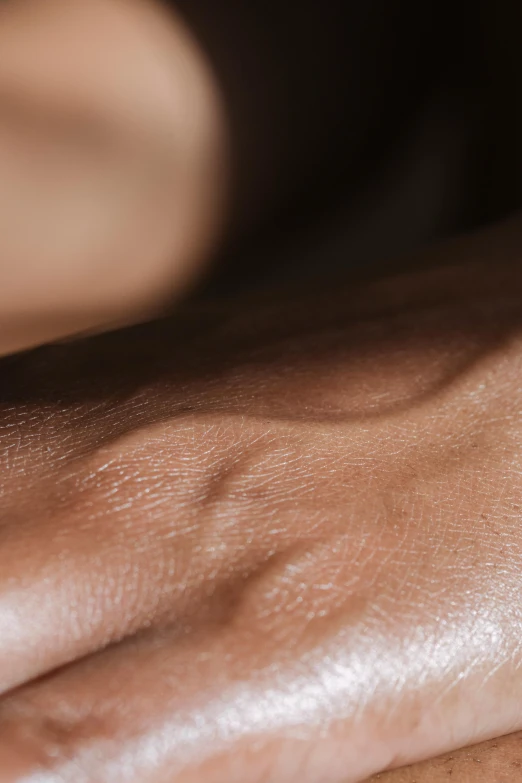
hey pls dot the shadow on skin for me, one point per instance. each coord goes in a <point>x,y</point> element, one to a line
<point>350,358</point>
<point>355,331</point>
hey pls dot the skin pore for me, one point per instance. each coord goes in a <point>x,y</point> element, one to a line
<point>251,544</point>
<point>264,541</point>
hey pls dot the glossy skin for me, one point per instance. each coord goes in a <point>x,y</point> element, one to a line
<point>276,541</point>
<point>280,544</point>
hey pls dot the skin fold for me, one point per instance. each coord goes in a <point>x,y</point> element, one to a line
<point>276,540</point>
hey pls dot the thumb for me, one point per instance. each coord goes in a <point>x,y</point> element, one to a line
<point>112,164</point>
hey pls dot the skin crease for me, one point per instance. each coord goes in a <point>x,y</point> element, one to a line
<point>292,617</point>
<point>277,552</point>
<point>113,149</point>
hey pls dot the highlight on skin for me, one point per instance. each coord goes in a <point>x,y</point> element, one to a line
<point>219,579</point>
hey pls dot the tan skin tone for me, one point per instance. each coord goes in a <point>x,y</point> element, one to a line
<point>242,548</point>
<point>204,519</point>
<point>113,151</point>
<point>496,761</point>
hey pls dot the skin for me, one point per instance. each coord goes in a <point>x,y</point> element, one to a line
<point>237,547</point>
<point>496,761</point>
<point>113,150</point>
<point>215,553</point>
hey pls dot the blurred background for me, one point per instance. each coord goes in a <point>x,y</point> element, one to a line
<point>370,129</point>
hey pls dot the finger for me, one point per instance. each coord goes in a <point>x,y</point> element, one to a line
<point>111,164</point>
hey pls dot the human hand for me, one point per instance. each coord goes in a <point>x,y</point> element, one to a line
<point>279,542</point>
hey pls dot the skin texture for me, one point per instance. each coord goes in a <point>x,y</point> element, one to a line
<point>232,546</point>
<point>113,151</point>
<point>496,761</point>
<point>270,541</point>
